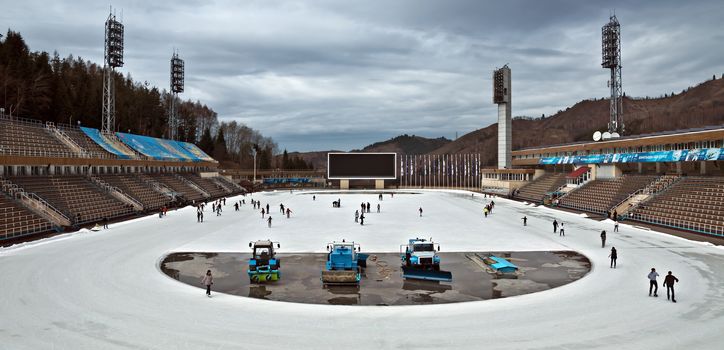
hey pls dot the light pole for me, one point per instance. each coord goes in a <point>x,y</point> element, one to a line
<point>253,152</point>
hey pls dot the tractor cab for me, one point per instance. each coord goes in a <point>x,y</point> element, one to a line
<point>420,261</point>
<point>263,265</point>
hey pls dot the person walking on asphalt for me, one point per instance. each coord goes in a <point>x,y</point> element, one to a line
<point>525,221</point>
<point>669,281</point>
<point>603,238</point>
<point>555,226</point>
<point>613,257</point>
<point>652,282</point>
<point>208,280</point>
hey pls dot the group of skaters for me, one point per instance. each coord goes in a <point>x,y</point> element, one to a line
<point>488,209</point>
<point>669,281</point>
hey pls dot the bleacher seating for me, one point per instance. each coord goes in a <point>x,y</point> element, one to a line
<point>693,203</point>
<point>77,197</point>
<point>179,186</point>
<point>27,138</point>
<point>207,185</point>
<point>600,196</point>
<point>93,149</point>
<point>537,189</point>
<point>16,220</point>
<point>139,190</point>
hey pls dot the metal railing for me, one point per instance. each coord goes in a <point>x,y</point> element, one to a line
<point>193,185</point>
<point>712,229</point>
<point>18,192</point>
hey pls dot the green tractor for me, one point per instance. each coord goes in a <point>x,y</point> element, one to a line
<point>263,265</point>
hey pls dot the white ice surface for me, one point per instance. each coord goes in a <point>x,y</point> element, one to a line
<point>104,290</point>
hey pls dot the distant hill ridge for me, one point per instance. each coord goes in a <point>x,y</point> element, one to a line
<point>699,106</point>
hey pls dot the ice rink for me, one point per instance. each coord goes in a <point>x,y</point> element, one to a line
<point>104,290</point>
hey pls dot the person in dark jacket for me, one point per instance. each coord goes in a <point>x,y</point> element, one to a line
<point>555,226</point>
<point>525,221</point>
<point>603,238</point>
<point>613,256</point>
<point>669,281</point>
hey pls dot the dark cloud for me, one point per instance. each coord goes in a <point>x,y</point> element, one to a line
<point>343,74</point>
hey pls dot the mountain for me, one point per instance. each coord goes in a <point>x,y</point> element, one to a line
<point>407,144</point>
<point>403,144</point>
<point>695,107</point>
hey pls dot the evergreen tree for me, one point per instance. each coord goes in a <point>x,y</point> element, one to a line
<point>207,143</point>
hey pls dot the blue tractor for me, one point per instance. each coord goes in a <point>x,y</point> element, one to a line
<point>263,265</point>
<point>344,264</point>
<point>421,262</point>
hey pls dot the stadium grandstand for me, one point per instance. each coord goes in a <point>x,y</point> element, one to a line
<point>60,177</point>
<point>673,179</point>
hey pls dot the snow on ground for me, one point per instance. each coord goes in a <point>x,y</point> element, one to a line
<point>104,290</point>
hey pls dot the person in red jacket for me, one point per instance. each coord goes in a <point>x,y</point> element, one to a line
<point>669,281</point>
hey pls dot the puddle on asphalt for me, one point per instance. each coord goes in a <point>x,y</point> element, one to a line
<point>382,282</point>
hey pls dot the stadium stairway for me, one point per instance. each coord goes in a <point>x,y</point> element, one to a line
<point>600,196</point>
<point>538,188</point>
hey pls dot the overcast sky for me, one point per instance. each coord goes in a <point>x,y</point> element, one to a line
<point>319,75</point>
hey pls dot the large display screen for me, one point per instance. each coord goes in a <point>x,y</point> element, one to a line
<point>358,166</point>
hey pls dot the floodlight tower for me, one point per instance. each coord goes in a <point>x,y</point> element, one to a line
<point>177,86</point>
<point>611,59</point>
<point>502,97</point>
<point>113,59</point>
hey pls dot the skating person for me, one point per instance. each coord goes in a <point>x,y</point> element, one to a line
<point>267,208</point>
<point>669,281</point>
<point>613,256</point>
<point>369,206</point>
<point>603,238</point>
<point>379,197</point>
<point>105,223</point>
<point>339,203</point>
<point>485,211</point>
<point>236,206</point>
<point>420,210</point>
<point>561,231</point>
<point>281,208</point>
<point>208,280</point>
<point>362,219</point>
<point>198,215</point>
<point>218,210</point>
<point>652,282</point>
<point>615,227</point>
<point>555,226</point>
<point>289,212</point>
<point>378,207</point>
<point>356,216</point>
<point>314,197</point>
<point>202,216</point>
<point>269,221</point>
<point>492,204</point>
<point>525,221</point>
<point>262,213</point>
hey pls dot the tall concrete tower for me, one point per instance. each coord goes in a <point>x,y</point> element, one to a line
<point>502,97</point>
